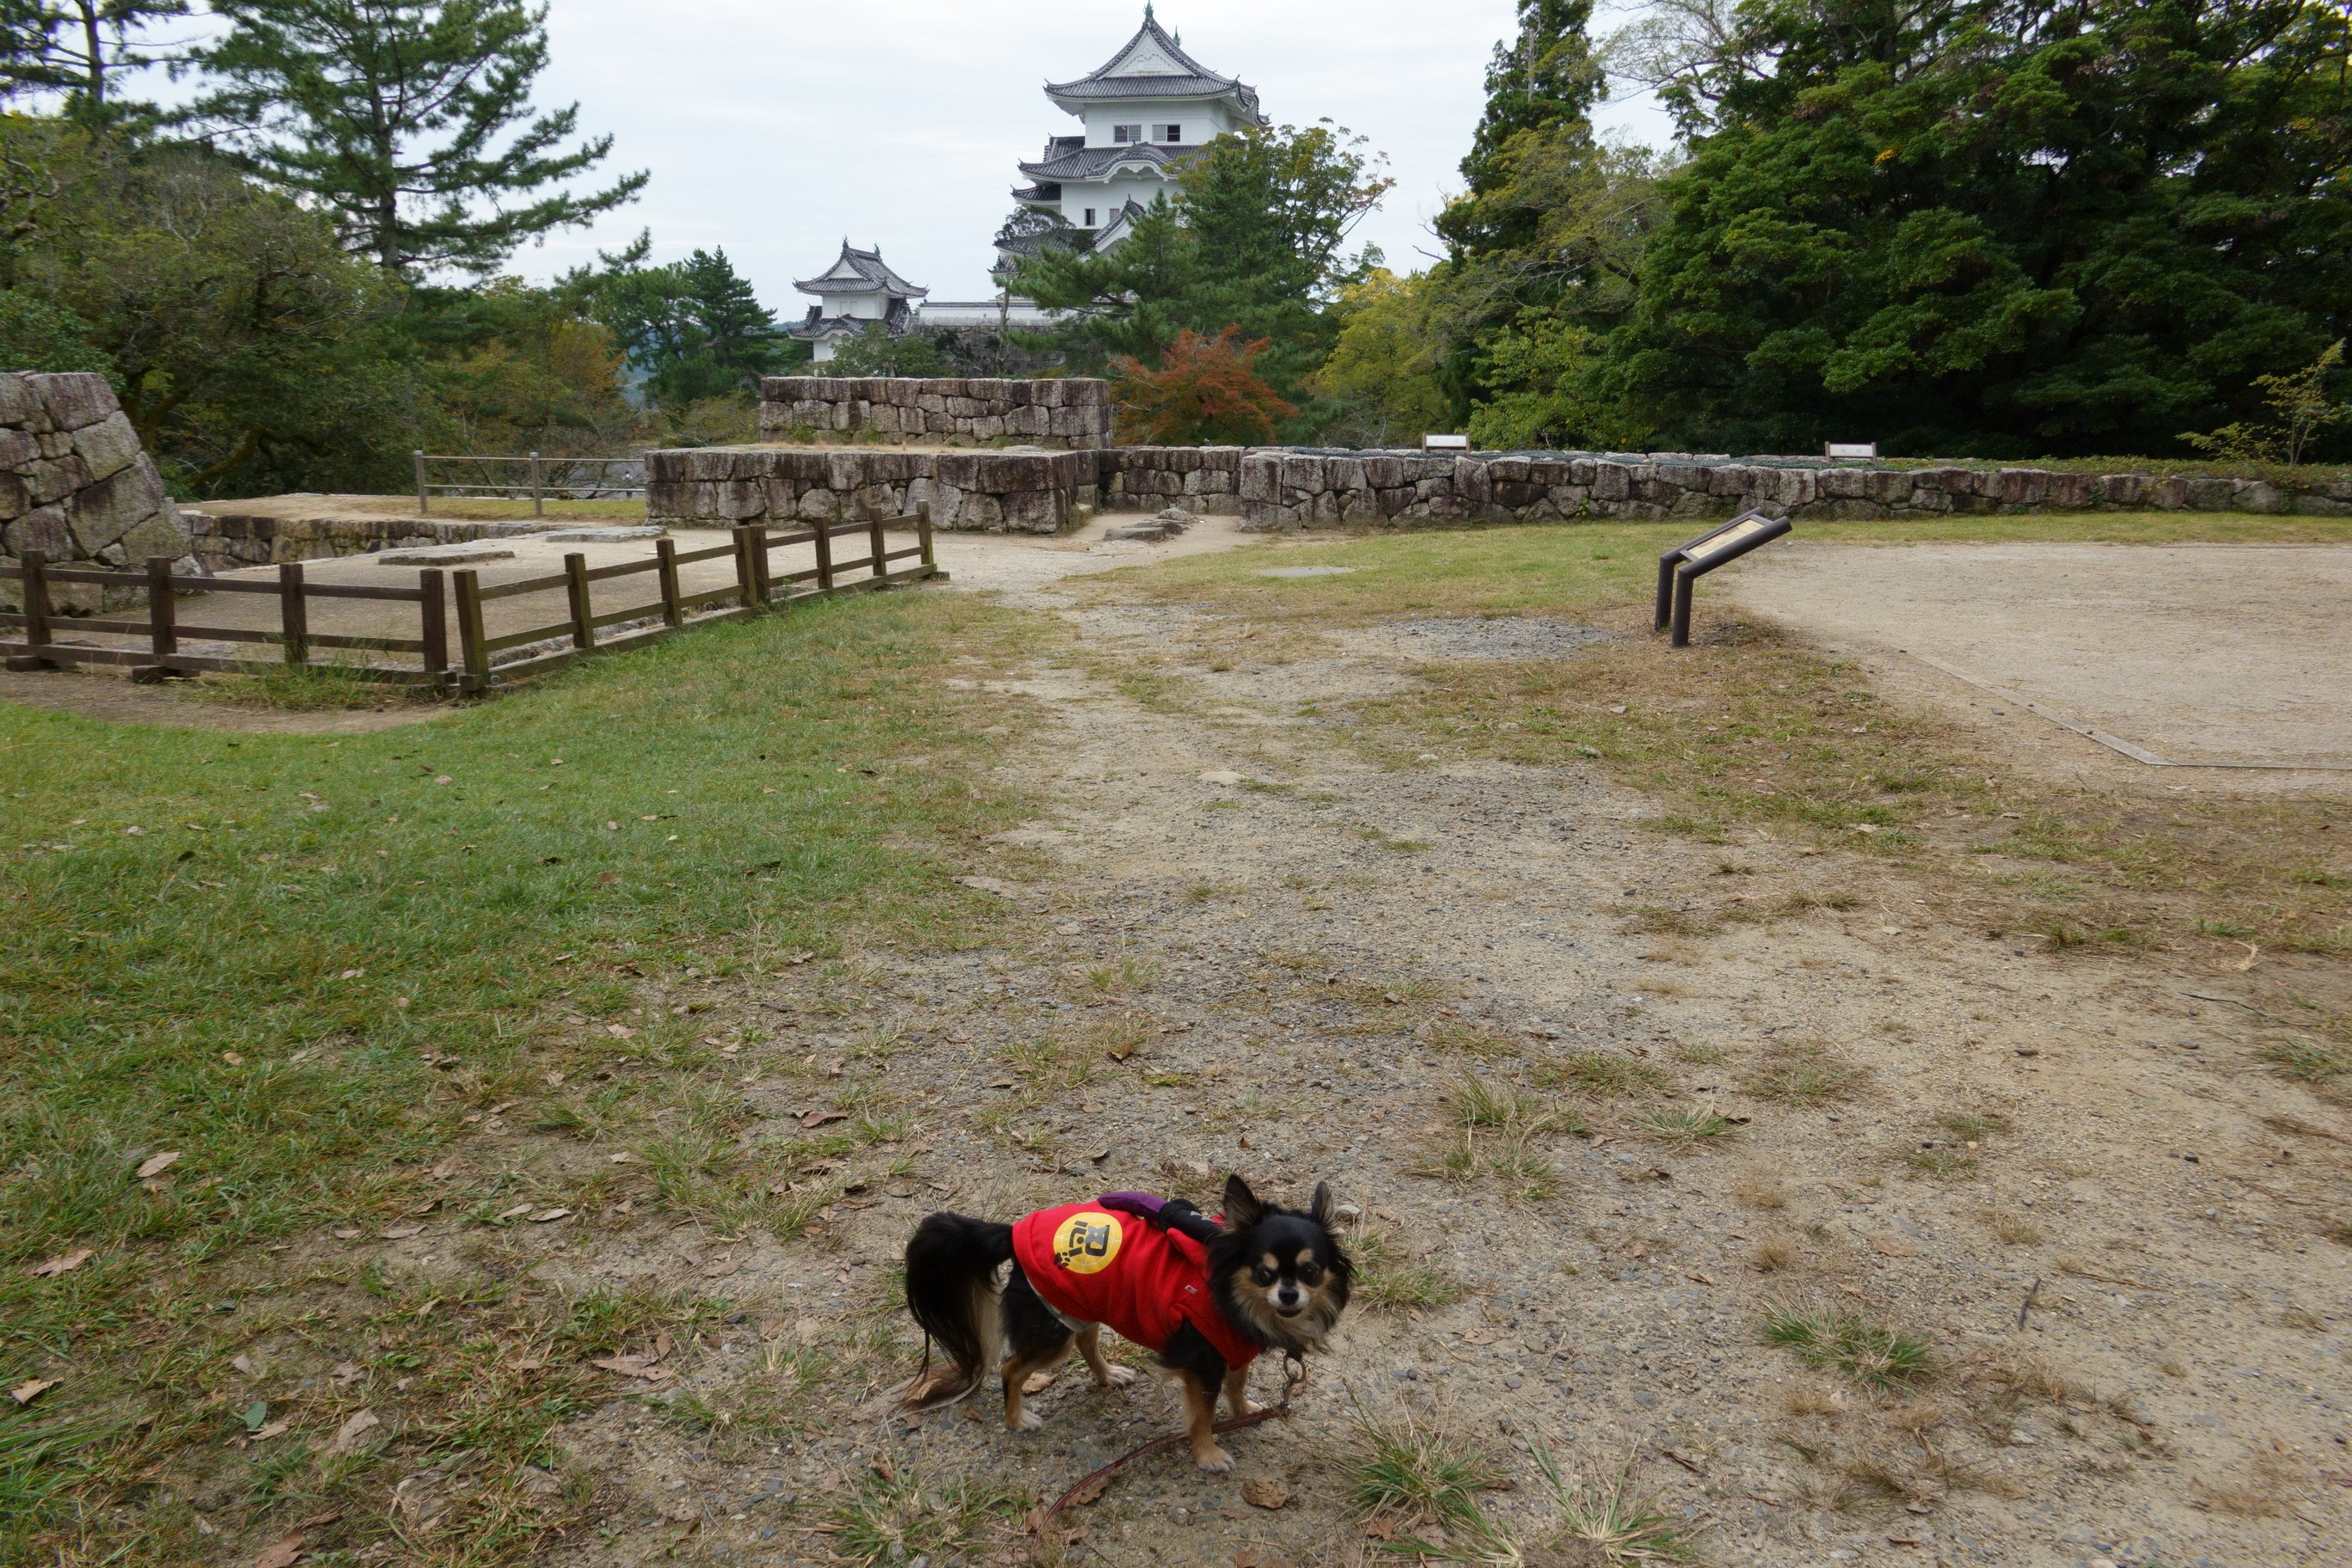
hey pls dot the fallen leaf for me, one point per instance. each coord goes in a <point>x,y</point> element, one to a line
<point>232,1058</point>
<point>32,1388</point>
<point>244,1364</point>
<point>1685,1461</point>
<point>1893,1247</point>
<point>1702,1278</point>
<point>282,1555</point>
<point>642,1365</point>
<point>346,1371</point>
<point>345,1235</point>
<point>350,1432</point>
<point>547,1216</point>
<point>624,1158</point>
<point>275,1429</point>
<point>156,1163</point>
<point>515,1213</point>
<point>1851,1289</point>
<point>819,1118</point>
<point>63,1263</point>
<point>1247,1557</point>
<point>1265,1492</point>
<point>884,1468</point>
<point>1090,1492</point>
<point>1381,1529</point>
<point>400,1232</point>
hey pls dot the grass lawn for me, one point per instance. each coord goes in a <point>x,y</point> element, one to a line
<point>252,985</point>
<point>1752,731</point>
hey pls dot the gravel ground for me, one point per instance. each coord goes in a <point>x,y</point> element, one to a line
<point>1245,949</point>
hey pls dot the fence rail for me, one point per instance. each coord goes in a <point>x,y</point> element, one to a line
<point>565,478</point>
<point>757,585</point>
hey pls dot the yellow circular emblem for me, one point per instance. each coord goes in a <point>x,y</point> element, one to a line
<point>1087,1242</point>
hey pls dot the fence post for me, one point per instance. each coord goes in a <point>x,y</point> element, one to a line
<point>745,580</point>
<point>874,532</point>
<point>575,584</point>
<point>923,532</point>
<point>424,498</point>
<point>666,569</point>
<point>163,621</point>
<point>472,644</point>
<point>762,570</point>
<point>433,626</point>
<point>36,565</point>
<point>294,613</point>
<point>823,556</point>
<point>536,492</point>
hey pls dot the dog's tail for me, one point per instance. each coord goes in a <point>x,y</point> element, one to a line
<point>952,1264</point>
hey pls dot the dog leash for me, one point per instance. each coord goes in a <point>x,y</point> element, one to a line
<point>1294,1372</point>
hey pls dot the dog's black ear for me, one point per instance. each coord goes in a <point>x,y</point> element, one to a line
<point>1319,1210</point>
<point>1241,1208</point>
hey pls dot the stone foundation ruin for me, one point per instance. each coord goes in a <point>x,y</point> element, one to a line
<point>1020,486</point>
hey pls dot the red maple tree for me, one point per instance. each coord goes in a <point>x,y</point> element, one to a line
<point>1204,392</point>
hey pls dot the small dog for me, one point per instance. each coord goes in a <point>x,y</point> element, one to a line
<point>1207,1298</point>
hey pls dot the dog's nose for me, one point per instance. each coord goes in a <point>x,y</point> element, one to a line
<point>1288,1295</point>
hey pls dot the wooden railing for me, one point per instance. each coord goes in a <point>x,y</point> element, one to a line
<point>39,648</point>
<point>565,478</point>
<point>756,585</point>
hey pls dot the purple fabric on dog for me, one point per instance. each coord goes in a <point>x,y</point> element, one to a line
<point>1144,1204</point>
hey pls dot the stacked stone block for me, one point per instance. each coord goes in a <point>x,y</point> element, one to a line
<point>938,411</point>
<point>76,485</point>
<point>995,492</point>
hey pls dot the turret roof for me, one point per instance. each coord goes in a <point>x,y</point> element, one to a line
<point>1153,65</point>
<point>1096,163</point>
<point>861,272</point>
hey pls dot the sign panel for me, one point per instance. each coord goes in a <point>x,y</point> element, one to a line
<point>1708,549</point>
<point>1851,450</point>
<point>1444,443</point>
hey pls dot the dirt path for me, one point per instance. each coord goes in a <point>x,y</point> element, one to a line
<point>1251,951</point>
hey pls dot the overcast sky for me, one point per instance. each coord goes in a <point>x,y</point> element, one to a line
<point>775,129</point>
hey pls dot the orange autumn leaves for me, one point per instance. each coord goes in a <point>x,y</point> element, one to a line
<point>1205,391</point>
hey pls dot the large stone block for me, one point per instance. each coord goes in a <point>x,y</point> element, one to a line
<point>15,497</point>
<point>1613,481</point>
<point>75,398</point>
<point>103,513</point>
<point>163,534</point>
<point>107,447</point>
<point>44,529</point>
<point>50,478</point>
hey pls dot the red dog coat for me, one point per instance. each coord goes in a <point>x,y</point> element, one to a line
<point>1096,1265</point>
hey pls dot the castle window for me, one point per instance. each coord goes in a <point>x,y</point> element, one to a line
<point>1090,217</point>
<point>1123,134</point>
<point>1170,132</point>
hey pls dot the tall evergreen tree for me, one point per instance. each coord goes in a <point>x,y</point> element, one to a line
<point>693,329</point>
<point>2000,227</point>
<point>411,120</point>
<point>1540,89</point>
<point>82,51</point>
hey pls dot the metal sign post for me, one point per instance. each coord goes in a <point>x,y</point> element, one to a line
<point>1686,563</point>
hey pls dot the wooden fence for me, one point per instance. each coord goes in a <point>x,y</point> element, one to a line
<point>565,478</point>
<point>756,585</point>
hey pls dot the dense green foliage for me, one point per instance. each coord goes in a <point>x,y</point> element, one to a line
<point>1972,227</point>
<point>293,280</point>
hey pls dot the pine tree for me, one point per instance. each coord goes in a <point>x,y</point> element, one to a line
<point>1540,90</point>
<point>409,120</point>
<point>81,51</point>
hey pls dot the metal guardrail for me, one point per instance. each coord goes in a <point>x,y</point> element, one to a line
<point>561,477</point>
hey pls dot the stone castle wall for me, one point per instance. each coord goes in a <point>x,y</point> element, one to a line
<point>1072,413</point>
<point>725,487</point>
<point>76,485</point>
<point>226,539</point>
<point>1278,488</point>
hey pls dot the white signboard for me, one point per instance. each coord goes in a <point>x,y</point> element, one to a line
<point>1445,443</point>
<point>1851,450</point>
<point>1731,536</point>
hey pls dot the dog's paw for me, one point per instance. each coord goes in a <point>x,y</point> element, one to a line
<point>1245,1407</point>
<point>1215,1459</point>
<point>1117,1377</point>
<point>1027,1421</point>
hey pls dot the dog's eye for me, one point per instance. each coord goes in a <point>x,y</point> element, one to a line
<point>1310,1274</point>
<point>1263,1275</point>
